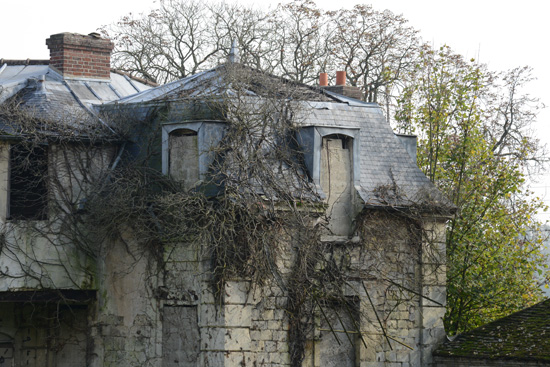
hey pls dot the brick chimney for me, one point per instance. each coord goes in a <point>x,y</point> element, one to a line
<point>78,56</point>
<point>341,87</point>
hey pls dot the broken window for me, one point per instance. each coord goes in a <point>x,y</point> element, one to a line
<point>184,157</point>
<point>28,182</point>
<point>180,336</point>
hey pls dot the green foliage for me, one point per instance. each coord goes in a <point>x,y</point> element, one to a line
<point>473,147</point>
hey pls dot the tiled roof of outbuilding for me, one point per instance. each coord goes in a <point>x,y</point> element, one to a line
<point>524,335</point>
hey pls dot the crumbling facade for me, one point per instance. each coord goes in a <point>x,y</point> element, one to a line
<point>331,251</point>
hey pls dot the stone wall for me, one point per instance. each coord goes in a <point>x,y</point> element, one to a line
<point>250,327</point>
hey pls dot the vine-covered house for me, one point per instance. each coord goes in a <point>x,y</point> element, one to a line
<point>230,218</point>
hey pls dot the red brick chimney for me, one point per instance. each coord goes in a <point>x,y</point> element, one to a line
<point>78,56</point>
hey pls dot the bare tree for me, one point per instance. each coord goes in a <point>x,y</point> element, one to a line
<point>299,35</point>
<point>171,42</point>
<point>374,48</point>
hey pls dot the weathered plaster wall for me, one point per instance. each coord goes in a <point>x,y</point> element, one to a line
<point>126,325</point>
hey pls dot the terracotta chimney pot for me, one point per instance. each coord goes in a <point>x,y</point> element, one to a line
<point>340,78</point>
<point>323,79</point>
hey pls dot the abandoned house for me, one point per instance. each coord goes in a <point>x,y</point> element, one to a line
<point>230,218</point>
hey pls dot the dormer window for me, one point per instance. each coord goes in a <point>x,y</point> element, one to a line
<point>187,149</point>
<point>331,155</point>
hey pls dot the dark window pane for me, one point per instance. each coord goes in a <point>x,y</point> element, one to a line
<point>28,190</point>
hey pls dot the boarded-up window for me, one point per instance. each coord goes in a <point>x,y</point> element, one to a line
<point>28,176</point>
<point>336,338</point>
<point>180,336</point>
<point>184,157</point>
<point>336,181</point>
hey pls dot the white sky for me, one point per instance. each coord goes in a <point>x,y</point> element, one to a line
<point>503,34</point>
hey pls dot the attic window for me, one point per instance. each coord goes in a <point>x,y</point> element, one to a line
<point>187,149</point>
<point>28,189</point>
<point>337,182</point>
<point>184,156</point>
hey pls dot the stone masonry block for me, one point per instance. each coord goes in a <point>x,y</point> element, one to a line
<point>431,337</point>
<point>238,359</point>
<point>210,315</point>
<point>239,293</point>
<point>434,274</point>
<point>432,317</point>
<point>181,252</point>
<point>237,339</point>
<point>435,296</point>
<point>213,339</point>
<point>238,315</point>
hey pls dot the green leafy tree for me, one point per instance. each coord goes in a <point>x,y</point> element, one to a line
<point>474,147</point>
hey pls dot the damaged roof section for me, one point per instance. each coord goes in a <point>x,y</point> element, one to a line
<point>61,103</point>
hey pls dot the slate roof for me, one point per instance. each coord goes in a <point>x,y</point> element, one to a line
<point>61,102</point>
<point>389,176</point>
<point>226,79</point>
<point>522,336</point>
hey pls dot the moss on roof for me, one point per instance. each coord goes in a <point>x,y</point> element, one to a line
<point>524,335</point>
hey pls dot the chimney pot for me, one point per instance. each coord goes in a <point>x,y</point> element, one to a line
<point>340,78</point>
<point>323,79</point>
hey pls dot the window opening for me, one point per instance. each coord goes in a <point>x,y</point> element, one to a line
<point>336,338</point>
<point>28,177</point>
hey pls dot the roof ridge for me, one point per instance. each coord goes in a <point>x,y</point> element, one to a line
<point>136,78</point>
<point>24,62</point>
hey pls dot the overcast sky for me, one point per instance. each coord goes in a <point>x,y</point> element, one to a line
<point>502,34</point>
